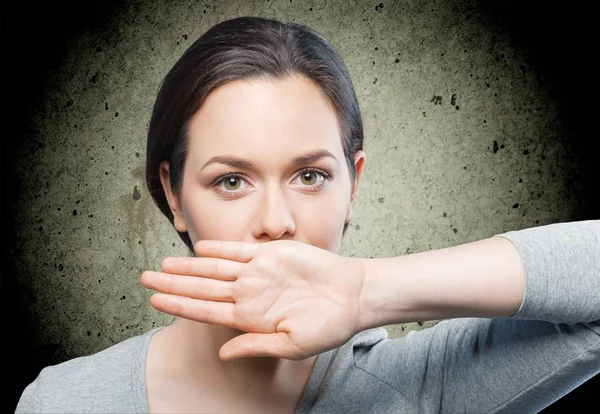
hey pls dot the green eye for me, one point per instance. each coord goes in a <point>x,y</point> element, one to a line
<point>232,181</point>
<point>306,175</point>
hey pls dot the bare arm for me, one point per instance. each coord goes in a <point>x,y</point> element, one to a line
<point>546,273</point>
<point>479,279</point>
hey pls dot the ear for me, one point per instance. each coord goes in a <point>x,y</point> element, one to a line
<point>359,162</point>
<point>178,218</point>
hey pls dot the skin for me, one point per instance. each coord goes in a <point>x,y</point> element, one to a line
<point>269,124</point>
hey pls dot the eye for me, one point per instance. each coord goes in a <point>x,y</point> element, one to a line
<point>310,178</point>
<point>231,183</point>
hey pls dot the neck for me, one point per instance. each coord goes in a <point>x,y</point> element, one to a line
<point>189,350</point>
<point>201,343</point>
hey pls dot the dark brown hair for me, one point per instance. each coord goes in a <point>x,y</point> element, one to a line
<point>243,48</point>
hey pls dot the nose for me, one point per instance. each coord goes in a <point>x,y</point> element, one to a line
<point>274,215</point>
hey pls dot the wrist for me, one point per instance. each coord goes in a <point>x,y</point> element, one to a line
<point>382,301</point>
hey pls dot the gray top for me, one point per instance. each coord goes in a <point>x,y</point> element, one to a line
<point>522,363</point>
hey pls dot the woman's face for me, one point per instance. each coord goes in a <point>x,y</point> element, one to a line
<point>265,162</point>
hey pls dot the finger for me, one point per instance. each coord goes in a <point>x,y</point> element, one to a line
<point>192,287</point>
<point>216,313</point>
<point>227,249</point>
<point>257,345</point>
<point>215,268</point>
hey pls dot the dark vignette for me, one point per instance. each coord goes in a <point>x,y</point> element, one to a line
<point>560,39</point>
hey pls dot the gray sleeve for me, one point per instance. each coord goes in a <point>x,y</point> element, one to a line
<point>31,398</point>
<point>522,363</point>
<point>562,271</point>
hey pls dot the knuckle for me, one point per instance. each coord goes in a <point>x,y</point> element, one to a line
<point>217,267</point>
<point>231,292</point>
<point>169,284</point>
<point>214,290</point>
<point>213,267</point>
<point>175,305</point>
<point>197,289</point>
<point>188,265</point>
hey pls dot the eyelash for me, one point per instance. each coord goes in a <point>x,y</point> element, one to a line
<point>316,187</point>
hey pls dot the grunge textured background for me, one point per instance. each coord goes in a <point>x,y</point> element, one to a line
<point>478,119</point>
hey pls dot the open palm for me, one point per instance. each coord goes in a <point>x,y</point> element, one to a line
<point>293,299</point>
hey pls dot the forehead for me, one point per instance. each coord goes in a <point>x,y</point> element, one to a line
<point>262,118</point>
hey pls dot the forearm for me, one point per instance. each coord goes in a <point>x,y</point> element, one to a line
<point>549,273</point>
<point>484,278</point>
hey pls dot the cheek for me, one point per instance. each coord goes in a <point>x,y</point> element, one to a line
<point>208,218</point>
<point>326,216</point>
<point>321,224</point>
<point>218,220</point>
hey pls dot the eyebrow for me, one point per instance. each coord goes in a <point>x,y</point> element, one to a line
<point>308,158</point>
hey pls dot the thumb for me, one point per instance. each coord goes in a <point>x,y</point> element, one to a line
<point>254,345</point>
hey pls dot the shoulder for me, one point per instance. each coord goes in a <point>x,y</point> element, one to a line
<point>104,381</point>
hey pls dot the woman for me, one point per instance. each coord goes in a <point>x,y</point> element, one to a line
<point>246,145</point>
